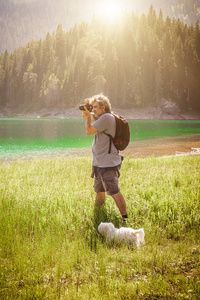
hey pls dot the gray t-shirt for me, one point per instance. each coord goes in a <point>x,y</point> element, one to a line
<point>100,146</point>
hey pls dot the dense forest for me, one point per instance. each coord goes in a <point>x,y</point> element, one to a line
<point>22,19</point>
<point>136,61</point>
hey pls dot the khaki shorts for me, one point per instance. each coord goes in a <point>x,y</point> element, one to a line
<point>107,182</point>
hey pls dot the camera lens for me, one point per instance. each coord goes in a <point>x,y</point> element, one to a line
<point>82,107</point>
<point>88,106</point>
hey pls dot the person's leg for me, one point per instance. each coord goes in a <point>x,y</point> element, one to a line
<point>110,183</point>
<point>121,204</point>
<point>100,192</point>
<point>100,199</point>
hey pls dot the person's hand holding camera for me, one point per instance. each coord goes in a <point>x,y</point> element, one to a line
<point>86,109</point>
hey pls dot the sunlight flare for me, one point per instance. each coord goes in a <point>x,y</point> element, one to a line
<point>110,9</point>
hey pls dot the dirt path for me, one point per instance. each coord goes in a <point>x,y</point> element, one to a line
<point>164,146</point>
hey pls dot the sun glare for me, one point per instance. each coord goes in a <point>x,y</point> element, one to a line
<point>110,9</point>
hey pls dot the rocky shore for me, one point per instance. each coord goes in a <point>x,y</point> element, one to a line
<point>131,114</point>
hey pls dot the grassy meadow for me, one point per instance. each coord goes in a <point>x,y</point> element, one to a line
<point>50,247</point>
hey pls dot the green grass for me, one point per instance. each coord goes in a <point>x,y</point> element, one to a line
<point>50,248</point>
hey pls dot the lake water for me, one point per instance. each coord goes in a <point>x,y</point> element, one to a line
<point>34,136</point>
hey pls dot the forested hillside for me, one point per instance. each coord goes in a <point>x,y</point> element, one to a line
<point>22,19</point>
<point>135,62</point>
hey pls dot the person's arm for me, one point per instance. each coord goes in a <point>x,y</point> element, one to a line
<point>84,115</point>
<point>85,112</point>
<point>89,129</point>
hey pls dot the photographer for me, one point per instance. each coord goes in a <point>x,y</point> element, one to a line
<point>106,166</point>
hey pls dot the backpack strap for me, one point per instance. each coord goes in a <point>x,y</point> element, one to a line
<point>111,139</point>
<point>110,136</point>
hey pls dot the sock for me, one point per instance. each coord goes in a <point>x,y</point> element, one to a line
<point>125,216</point>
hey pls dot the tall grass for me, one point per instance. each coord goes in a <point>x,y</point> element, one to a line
<point>50,247</point>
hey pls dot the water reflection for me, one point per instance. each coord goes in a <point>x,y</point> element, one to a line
<point>41,128</point>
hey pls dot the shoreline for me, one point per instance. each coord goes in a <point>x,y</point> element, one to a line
<point>180,145</point>
<point>75,113</point>
<point>170,146</point>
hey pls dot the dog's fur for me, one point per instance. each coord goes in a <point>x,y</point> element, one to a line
<point>129,235</point>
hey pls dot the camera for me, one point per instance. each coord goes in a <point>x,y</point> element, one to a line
<point>88,106</point>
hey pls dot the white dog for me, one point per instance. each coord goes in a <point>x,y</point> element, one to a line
<point>129,235</point>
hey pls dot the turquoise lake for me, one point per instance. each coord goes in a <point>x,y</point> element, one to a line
<point>18,136</point>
